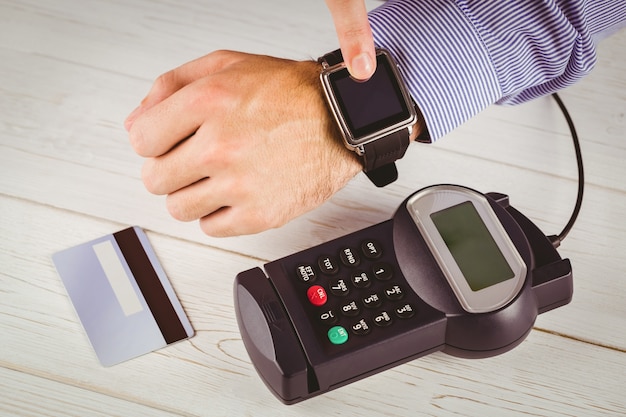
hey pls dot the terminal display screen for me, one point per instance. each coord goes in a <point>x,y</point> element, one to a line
<point>473,248</point>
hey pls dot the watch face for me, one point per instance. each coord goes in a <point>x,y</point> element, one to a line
<point>371,106</point>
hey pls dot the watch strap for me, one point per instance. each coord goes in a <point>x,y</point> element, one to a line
<point>332,58</point>
<point>383,176</point>
<point>380,155</point>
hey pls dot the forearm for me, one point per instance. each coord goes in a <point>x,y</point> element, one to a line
<point>459,57</point>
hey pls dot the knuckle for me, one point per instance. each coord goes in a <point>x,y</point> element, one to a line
<point>209,229</point>
<point>165,82</point>
<point>200,98</point>
<point>356,31</point>
<point>217,91</point>
<point>260,220</point>
<point>151,179</point>
<point>210,95</point>
<point>177,209</point>
<point>220,54</point>
<point>224,57</point>
<point>138,140</point>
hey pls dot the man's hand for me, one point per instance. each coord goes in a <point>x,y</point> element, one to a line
<point>355,36</point>
<point>242,142</point>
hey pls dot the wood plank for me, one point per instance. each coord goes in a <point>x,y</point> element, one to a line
<point>28,395</point>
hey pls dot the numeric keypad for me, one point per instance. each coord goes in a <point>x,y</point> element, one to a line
<point>354,291</point>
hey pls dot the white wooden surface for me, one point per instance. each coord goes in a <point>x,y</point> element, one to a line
<point>71,70</point>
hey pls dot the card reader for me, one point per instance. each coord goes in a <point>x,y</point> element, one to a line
<point>454,270</point>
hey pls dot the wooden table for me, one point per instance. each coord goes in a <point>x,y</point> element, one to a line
<point>70,71</point>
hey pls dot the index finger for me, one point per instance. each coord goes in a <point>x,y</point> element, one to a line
<point>355,36</point>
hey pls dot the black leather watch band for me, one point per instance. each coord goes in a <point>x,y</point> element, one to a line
<point>332,58</point>
<point>380,155</point>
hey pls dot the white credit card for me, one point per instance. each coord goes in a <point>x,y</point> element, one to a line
<point>122,296</point>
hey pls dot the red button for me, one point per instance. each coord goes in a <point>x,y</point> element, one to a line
<point>317,295</point>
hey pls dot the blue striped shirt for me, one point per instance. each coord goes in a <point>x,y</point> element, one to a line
<point>460,56</point>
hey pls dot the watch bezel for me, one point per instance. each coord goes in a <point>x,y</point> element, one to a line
<point>357,138</point>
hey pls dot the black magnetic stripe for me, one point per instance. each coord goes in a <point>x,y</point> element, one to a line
<point>150,285</point>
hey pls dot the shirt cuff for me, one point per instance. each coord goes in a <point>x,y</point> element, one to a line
<point>444,63</point>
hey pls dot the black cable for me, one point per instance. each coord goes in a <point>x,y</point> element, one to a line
<point>557,239</point>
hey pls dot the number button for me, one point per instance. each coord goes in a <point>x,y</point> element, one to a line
<point>394,292</point>
<point>328,265</point>
<point>339,287</point>
<point>361,280</point>
<point>405,312</point>
<point>372,301</point>
<point>371,249</point>
<point>305,273</point>
<point>361,328</point>
<point>382,271</point>
<point>317,295</point>
<point>337,335</point>
<point>328,317</point>
<point>350,309</point>
<point>383,319</point>
<point>349,257</point>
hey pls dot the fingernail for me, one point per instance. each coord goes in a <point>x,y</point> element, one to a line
<point>362,66</point>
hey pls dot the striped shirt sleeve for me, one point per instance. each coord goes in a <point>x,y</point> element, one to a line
<point>460,56</point>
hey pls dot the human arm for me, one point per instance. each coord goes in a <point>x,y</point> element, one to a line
<point>459,57</point>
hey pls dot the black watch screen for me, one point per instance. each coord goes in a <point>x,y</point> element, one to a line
<point>372,105</point>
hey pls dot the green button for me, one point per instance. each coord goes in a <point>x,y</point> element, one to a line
<point>337,335</point>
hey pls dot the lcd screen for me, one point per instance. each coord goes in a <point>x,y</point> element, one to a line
<point>371,105</point>
<point>473,248</point>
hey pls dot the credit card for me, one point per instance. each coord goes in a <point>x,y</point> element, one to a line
<point>122,296</point>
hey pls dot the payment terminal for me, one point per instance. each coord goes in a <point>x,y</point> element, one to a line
<point>454,270</point>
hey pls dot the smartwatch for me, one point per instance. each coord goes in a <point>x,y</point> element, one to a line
<point>375,117</point>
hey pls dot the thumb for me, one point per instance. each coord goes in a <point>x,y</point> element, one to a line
<point>355,36</point>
